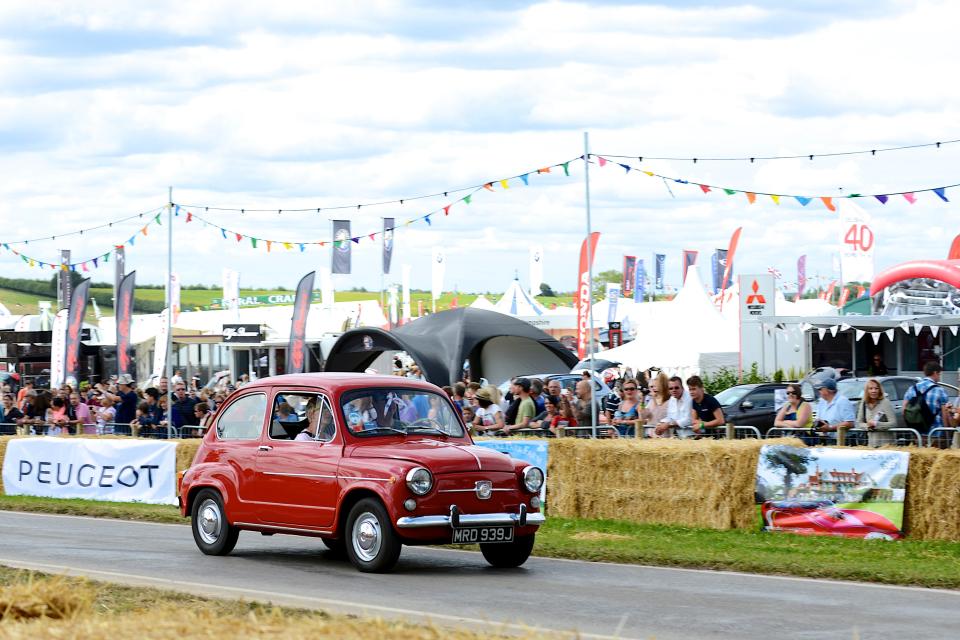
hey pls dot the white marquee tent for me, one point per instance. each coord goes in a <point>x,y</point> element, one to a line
<point>686,335</point>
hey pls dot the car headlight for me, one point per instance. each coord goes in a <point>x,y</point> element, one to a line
<point>419,481</point>
<point>532,479</point>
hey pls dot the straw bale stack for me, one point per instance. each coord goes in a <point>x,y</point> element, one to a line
<point>55,598</point>
<point>932,509</point>
<point>698,483</point>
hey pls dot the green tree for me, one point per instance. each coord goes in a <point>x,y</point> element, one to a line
<point>792,460</point>
<point>600,281</point>
<point>899,481</point>
<point>545,290</point>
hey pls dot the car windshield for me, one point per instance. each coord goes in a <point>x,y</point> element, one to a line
<point>733,395</point>
<point>851,389</point>
<point>383,412</point>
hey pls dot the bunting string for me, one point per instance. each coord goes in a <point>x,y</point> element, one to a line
<point>751,196</point>
<point>84,265</point>
<point>810,156</point>
<point>80,232</point>
<point>503,182</point>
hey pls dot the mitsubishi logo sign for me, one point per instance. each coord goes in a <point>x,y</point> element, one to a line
<point>758,297</point>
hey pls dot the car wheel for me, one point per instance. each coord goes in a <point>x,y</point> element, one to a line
<point>211,531</point>
<point>508,555</point>
<point>337,546</point>
<point>371,543</point>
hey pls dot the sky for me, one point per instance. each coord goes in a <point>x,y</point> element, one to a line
<point>284,105</point>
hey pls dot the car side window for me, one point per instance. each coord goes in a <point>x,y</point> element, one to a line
<point>901,387</point>
<point>243,419</point>
<point>762,399</point>
<point>301,416</point>
<point>891,391</point>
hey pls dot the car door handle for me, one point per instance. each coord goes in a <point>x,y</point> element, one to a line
<point>264,447</point>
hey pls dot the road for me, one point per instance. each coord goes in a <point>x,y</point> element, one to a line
<point>458,587</point>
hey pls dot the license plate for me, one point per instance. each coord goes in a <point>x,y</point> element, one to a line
<point>475,535</point>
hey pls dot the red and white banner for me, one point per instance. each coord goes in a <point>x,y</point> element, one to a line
<point>728,269</point>
<point>583,292</point>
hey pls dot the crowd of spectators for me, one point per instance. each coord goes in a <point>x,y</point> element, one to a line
<point>119,406</point>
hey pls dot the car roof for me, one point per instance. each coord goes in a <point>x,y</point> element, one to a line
<point>335,381</point>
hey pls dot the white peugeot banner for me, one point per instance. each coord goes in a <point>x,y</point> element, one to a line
<point>94,469</point>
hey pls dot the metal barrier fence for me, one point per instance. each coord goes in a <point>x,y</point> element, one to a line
<point>846,437</point>
<point>638,431</point>
<point>111,428</point>
<point>950,441</point>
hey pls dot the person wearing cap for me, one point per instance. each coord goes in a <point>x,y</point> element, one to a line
<point>488,416</point>
<point>833,409</point>
<point>126,400</point>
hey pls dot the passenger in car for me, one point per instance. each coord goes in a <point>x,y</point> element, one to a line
<point>361,414</point>
<point>317,421</point>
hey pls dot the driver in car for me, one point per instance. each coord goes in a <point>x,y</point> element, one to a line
<point>317,420</point>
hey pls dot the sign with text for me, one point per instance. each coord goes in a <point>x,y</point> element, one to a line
<point>112,470</point>
<point>856,244</point>
<point>824,491</point>
<point>241,333</point>
<point>757,297</point>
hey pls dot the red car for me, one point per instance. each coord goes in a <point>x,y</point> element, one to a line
<point>823,517</point>
<point>366,463</point>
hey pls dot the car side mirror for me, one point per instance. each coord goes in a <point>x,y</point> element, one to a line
<point>746,404</point>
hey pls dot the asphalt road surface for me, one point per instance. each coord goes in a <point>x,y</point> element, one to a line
<point>458,587</point>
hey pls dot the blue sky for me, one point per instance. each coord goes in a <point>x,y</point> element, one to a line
<point>292,104</point>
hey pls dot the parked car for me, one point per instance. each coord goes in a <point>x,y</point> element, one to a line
<point>824,518</point>
<point>756,405</point>
<point>366,463</point>
<point>894,387</point>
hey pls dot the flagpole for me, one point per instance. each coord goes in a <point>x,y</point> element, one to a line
<point>169,346</point>
<point>586,176</point>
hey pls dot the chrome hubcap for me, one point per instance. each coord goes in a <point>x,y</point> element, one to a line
<point>366,537</point>
<point>209,521</point>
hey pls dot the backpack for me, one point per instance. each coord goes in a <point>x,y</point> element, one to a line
<point>916,412</point>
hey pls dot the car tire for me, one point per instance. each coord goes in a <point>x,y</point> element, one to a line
<point>214,535</point>
<point>336,546</point>
<point>371,543</point>
<point>510,555</point>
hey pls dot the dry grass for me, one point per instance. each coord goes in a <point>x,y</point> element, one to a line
<point>593,536</point>
<point>56,607</point>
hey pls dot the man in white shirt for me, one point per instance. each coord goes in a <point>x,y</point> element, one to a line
<point>678,420</point>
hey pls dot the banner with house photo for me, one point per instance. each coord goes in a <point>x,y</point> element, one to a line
<point>850,493</point>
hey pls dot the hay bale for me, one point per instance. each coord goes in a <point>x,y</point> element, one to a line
<point>698,483</point>
<point>55,598</point>
<point>932,508</point>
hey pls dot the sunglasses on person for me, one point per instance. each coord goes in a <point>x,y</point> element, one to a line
<point>629,388</point>
<point>792,393</point>
<point>674,388</point>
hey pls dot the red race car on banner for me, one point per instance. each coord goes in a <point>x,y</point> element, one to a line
<point>824,518</point>
<point>365,463</point>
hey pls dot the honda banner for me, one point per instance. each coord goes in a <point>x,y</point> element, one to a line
<point>536,270</point>
<point>827,491</point>
<point>296,350</point>
<point>387,244</point>
<point>629,276</point>
<point>78,307</point>
<point>689,259</point>
<point>340,262</point>
<point>117,470</point>
<point>584,295</point>
<point>124,314</point>
<point>660,261</point>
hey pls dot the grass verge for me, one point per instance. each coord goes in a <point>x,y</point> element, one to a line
<point>906,562</point>
<point>37,605</point>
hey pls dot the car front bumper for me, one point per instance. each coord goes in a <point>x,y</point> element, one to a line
<point>456,519</point>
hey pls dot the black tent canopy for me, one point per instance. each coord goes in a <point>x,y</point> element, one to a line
<point>496,346</point>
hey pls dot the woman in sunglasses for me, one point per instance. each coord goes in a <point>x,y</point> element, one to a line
<point>628,411</point>
<point>795,413</point>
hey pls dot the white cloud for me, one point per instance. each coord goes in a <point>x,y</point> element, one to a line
<point>309,105</point>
